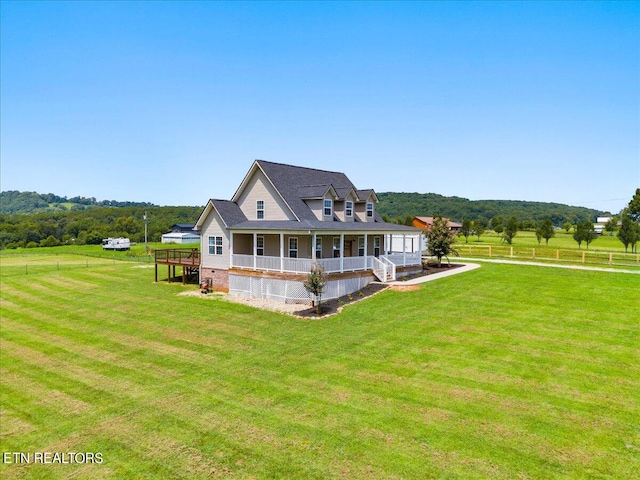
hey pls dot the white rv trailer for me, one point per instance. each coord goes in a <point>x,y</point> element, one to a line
<point>116,244</point>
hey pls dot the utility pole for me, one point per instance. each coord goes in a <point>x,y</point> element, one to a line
<point>145,233</point>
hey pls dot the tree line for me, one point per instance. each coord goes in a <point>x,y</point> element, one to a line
<point>627,226</point>
<point>89,227</point>
<point>13,201</point>
<point>402,207</point>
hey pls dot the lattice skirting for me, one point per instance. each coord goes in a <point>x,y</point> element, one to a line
<point>291,291</point>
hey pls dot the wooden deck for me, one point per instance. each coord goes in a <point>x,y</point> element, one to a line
<point>187,258</point>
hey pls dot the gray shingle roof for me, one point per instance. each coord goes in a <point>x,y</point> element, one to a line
<point>288,179</point>
<point>229,211</point>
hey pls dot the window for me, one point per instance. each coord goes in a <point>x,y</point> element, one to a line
<point>215,245</point>
<point>376,246</point>
<point>260,246</point>
<point>336,247</point>
<point>348,209</point>
<point>318,247</point>
<point>369,210</point>
<point>293,247</point>
<point>328,207</point>
<point>260,209</point>
<point>361,246</point>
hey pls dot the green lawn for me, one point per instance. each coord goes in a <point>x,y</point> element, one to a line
<point>503,372</point>
<point>562,240</point>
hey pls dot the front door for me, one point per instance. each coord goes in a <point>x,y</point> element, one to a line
<point>347,248</point>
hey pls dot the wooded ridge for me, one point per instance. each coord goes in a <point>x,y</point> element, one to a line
<point>398,206</point>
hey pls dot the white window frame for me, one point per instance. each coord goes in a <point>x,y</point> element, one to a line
<point>215,245</point>
<point>369,210</point>
<point>260,209</point>
<point>318,247</point>
<point>336,246</point>
<point>376,246</point>
<point>326,208</point>
<point>260,245</point>
<point>292,249</point>
<point>348,208</point>
<point>361,251</point>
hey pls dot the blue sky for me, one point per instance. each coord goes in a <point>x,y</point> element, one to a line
<point>170,102</point>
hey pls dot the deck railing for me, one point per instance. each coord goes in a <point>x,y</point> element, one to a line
<point>178,256</point>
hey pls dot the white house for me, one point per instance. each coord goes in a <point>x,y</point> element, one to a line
<point>283,219</point>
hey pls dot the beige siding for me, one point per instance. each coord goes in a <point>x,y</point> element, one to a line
<point>339,208</point>
<point>243,243</point>
<point>214,227</point>
<point>259,188</point>
<point>316,207</point>
<point>361,210</point>
<point>333,209</point>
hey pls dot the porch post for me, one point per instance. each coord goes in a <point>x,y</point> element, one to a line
<point>313,247</point>
<point>281,252</point>
<point>365,251</point>
<point>255,249</point>
<point>230,249</point>
<point>341,252</point>
<point>404,249</point>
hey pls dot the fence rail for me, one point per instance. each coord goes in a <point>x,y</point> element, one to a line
<point>551,254</point>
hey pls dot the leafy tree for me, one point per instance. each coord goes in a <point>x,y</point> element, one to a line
<point>634,206</point>
<point>50,241</point>
<point>590,233</point>
<point>465,230</point>
<point>510,230</point>
<point>584,232</point>
<point>611,225</point>
<point>497,224</point>
<point>440,240</point>
<point>629,233</point>
<point>567,226</point>
<point>479,226</point>
<point>315,283</point>
<point>545,230</point>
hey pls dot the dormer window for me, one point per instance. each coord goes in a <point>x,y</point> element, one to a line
<point>260,209</point>
<point>348,209</point>
<point>369,210</point>
<point>328,207</point>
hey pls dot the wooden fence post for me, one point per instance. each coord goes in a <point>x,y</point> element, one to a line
<point>583,255</point>
<point>610,258</point>
<point>533,253</point>
<point>489,250</point>
<point>511,252</point>
<point>557,254</point>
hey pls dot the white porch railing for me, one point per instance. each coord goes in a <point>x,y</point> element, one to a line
<point>330,265</point>
<point>391,267</point>
<point>404,259</point>
<point>379,269</point>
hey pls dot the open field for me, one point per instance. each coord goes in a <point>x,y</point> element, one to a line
<point>562,240</point>
<point>504,372</point>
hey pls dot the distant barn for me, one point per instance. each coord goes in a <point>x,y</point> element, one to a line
<point>181,233</point>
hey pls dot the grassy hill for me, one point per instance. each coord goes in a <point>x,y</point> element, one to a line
<point>15,202</point>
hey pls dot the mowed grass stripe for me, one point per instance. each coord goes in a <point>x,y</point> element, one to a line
<point>455,380</point>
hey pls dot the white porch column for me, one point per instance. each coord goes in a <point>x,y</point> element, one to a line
<point>313,247</point>
<point>255,249</point>
<point>230,249</point>
<point>281,252</point>
<point>404,249</point>
<point>341,252</point>
<point>365,251</point>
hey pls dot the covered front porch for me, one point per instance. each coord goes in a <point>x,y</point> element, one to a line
<point>297,252</point>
